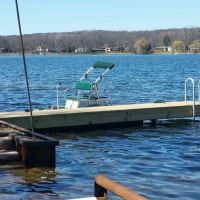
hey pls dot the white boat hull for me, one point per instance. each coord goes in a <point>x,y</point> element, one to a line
<point>87,103</point>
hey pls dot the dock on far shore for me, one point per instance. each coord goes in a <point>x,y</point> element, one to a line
<point>102,114</point>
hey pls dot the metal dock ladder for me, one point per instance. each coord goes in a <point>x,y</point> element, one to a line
<point>193,94</point>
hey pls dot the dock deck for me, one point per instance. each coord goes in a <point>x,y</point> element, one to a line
<point>102,115</point>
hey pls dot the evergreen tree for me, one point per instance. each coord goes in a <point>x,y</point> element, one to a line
<point>149,47</point>
<point>166,40</point>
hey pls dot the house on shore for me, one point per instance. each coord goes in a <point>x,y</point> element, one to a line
<point>164,48</point>
<point>5,50</point>
<point>81,50</point>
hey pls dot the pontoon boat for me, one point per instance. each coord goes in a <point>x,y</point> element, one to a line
<point>85,93</point>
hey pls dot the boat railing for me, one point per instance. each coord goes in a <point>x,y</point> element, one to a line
<point>57,104</point>
<point>199,90</point>
<point>102,184</point>
<point>193,94</point>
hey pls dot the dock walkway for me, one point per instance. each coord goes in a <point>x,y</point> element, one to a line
<point>101,115</point>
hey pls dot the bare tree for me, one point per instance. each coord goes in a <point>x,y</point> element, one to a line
<point>90,39</point>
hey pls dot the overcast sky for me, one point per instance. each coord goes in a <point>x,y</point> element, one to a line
<point>42,16</point>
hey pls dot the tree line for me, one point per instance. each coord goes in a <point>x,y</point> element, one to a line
<point>125,41</point>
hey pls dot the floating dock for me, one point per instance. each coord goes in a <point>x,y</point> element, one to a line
<point>102,115</point>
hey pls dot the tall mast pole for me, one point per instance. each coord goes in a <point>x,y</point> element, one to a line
<point>25,71</point>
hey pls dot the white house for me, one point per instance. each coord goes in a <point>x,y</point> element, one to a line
<point>164,48</point>
<point>39,48</point>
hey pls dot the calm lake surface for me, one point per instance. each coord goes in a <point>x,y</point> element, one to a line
<point>160,161</point>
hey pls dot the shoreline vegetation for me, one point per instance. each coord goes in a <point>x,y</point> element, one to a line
<point>88,53</point>
<point>166,41</point>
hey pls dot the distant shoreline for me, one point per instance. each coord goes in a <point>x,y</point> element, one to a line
<point>121,53</point>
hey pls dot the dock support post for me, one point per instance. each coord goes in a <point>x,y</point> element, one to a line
<point>38,156</point>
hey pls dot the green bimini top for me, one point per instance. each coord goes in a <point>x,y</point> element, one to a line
<point>105,65</point>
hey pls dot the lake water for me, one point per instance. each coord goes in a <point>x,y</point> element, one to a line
<point>160,161</point>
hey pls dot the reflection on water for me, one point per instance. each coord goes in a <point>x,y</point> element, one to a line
<point>158,161</point>
<point>36,175</point>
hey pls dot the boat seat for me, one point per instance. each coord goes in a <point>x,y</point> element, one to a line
<point>83,86</point>
<point>83,93</point>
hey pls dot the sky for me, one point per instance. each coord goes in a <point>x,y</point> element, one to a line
<point>44,16</point>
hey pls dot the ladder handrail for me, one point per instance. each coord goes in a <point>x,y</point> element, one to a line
<point>102,184</point>
<point>192,80</point>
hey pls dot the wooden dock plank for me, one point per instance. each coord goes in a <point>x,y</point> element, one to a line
<point>101,115</point>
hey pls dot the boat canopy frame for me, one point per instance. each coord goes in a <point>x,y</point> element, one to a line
<point>99,64</point>
<point>89,92</point>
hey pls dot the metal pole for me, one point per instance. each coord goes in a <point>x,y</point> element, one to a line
<point>57,94</point>
<point>199,90</point>
<point>27,85</point>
